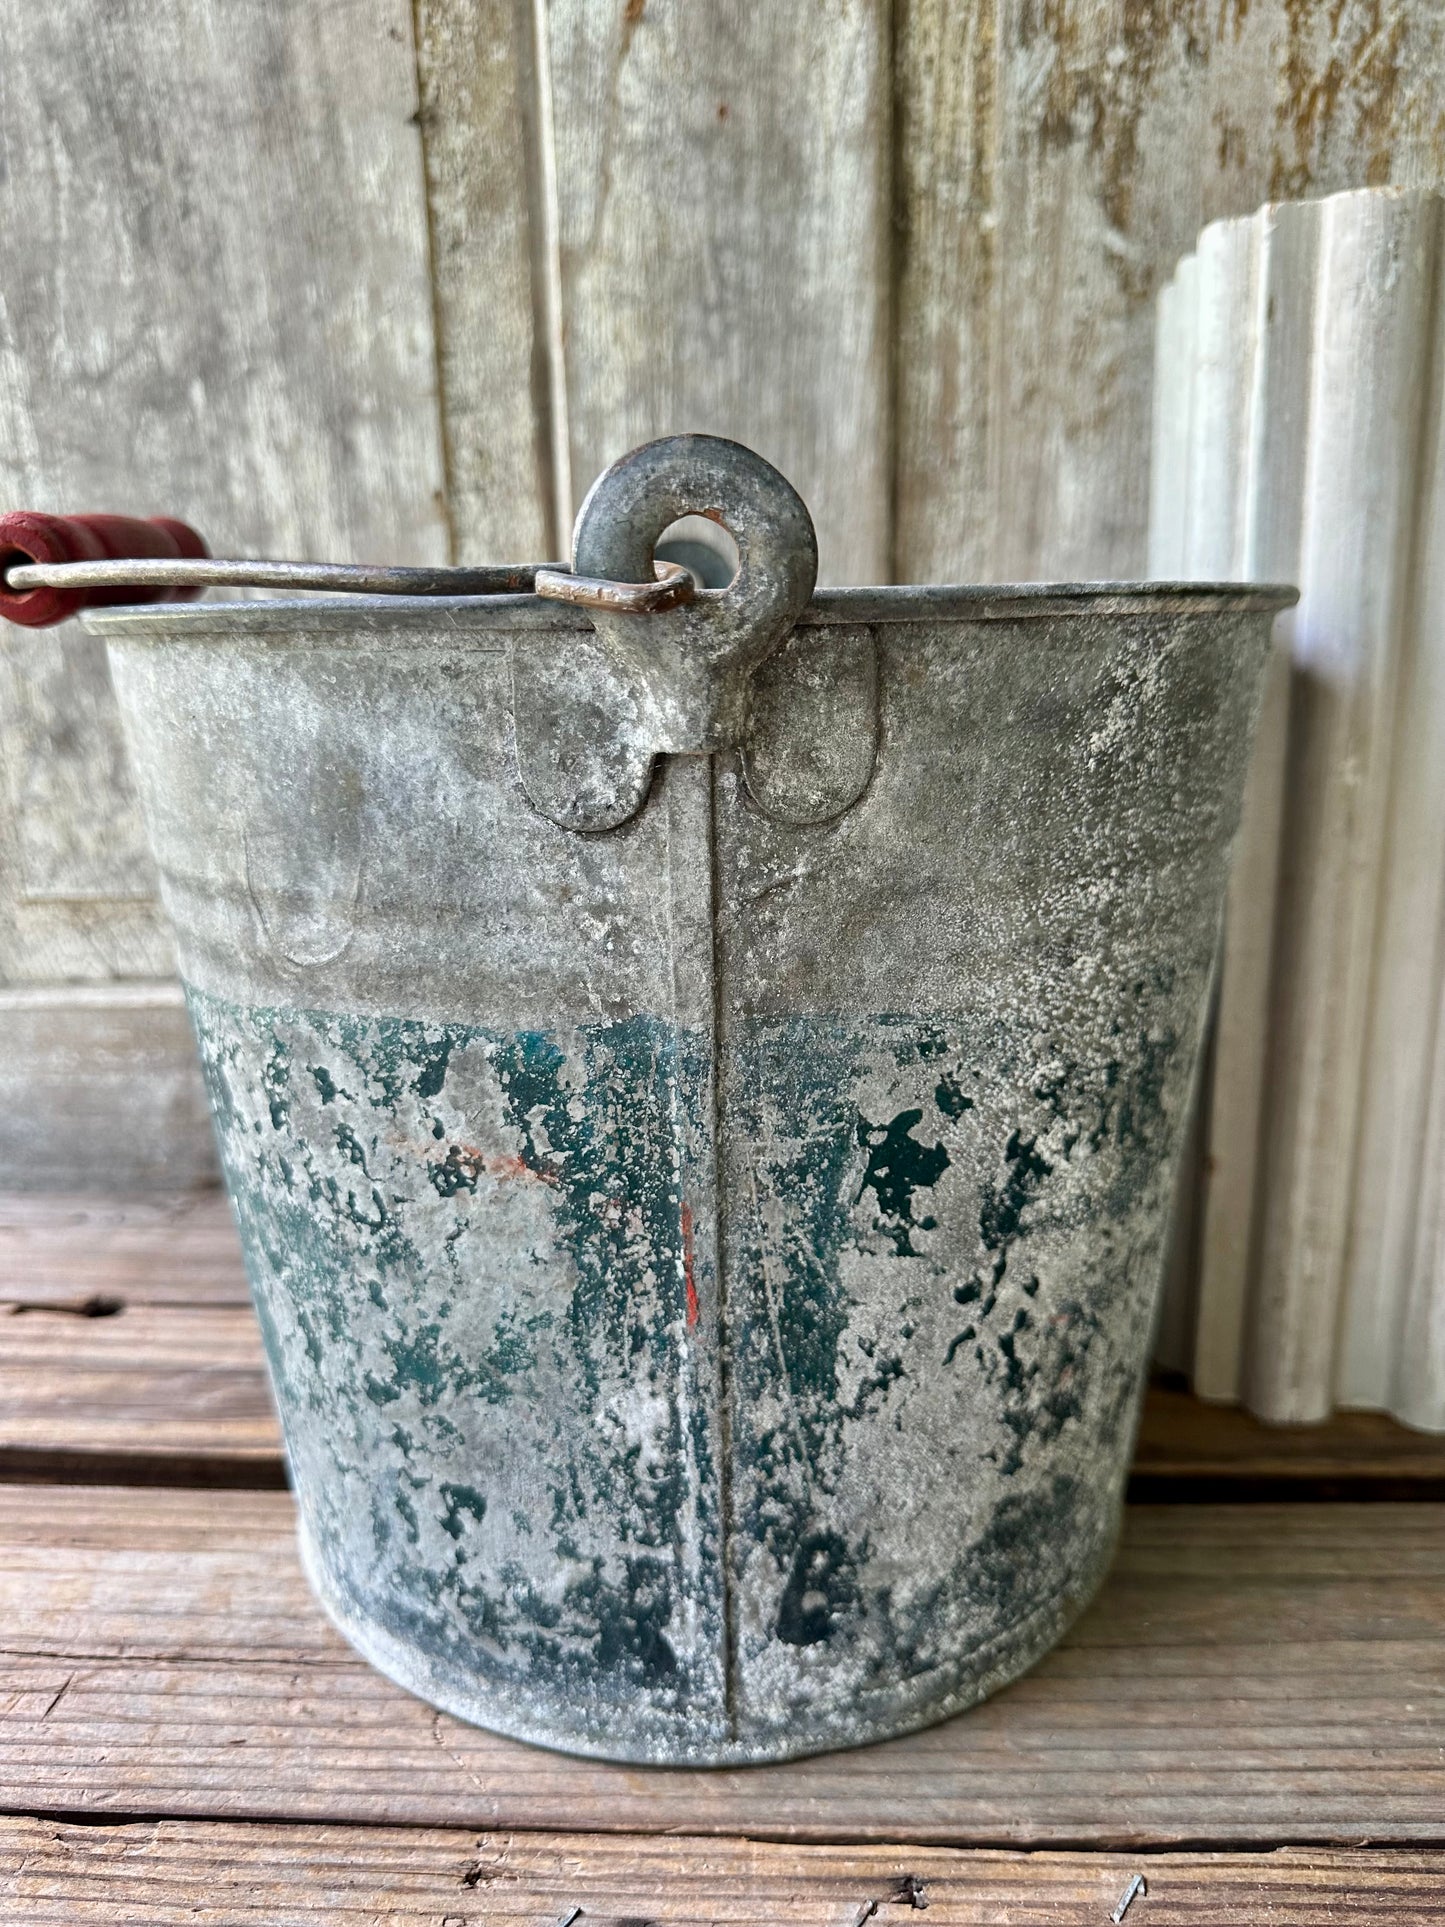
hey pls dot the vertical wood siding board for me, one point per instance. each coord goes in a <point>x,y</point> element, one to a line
<point>424,109</point>
<point>945,136</point>
<point>1290,244</point>
<point>1272,490</point>
<point>1392,1330</point>
<point>1222,288</point>
<point>549,373</point>
<point>478,117</point>
<point>1224,358</point>
<point>1163,428</point>
<point>1188,400</point>
<point>1385,1317</point>
<point>1372,303</point>
<point>723,205</point>
<point>216,305</point>
<point>1103,116</point>
<point>1289,239</point>
<point>1359,103</point>
<point>212,217</point>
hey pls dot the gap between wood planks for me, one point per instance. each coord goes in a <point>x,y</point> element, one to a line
<point>353,1874</point>
<point>1140,1856</point>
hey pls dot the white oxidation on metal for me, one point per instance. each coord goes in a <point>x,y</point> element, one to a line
<point>704,1201</point>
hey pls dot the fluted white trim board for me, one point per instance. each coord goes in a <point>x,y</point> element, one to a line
<point>1298,437</point>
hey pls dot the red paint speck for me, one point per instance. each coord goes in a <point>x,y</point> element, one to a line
<point>692,1307</point>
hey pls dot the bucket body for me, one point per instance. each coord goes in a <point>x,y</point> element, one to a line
<point>706,1263</point>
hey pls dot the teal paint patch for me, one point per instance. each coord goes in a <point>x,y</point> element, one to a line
<point>474,1257</point>
<point>468,1252</point>
<point>881,1450</point>
<point>898,1167</point>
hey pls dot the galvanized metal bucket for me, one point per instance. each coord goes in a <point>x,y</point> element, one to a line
<point>701,1090</point>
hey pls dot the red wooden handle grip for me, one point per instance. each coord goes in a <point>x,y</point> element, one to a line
<point>29,537</point>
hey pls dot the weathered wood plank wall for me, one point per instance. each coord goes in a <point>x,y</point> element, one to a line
<point>401,281</point>
<point>644,218</point>
<point>911,252</point>
<point>214,302</point>
<point>1058,156</point>
<point>487,204</point>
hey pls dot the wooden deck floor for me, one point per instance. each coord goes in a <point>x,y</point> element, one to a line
<point>1251,1717</point>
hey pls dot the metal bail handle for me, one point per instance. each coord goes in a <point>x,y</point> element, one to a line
<point>692,663</point>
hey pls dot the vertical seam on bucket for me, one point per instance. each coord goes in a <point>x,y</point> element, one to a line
<point>720,1260</point>
<point>690,801</point>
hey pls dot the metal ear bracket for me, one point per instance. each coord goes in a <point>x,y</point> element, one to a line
<point>685,680</point>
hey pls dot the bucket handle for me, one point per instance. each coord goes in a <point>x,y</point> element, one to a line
<point>53,566</point>
<point>693,662</point>
<point>668,668</point>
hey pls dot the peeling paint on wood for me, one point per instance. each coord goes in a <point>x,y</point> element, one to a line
<point>1056,158</point>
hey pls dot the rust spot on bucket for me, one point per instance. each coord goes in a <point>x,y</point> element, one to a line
<point>515,1167</point>
<point>465,1163</point>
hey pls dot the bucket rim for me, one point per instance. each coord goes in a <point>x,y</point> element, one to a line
<point>903,603</point>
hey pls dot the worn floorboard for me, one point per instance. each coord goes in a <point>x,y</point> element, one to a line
<point>1187,1449</point>
<point>155,1394</point>
<point>68,1250</point>
<point>1249,1675</point>
<point>163,1874</point>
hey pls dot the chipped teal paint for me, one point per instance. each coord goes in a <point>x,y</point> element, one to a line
<point>474,1310</point>
<point>1028,1206</point>
<point>468,1253</point>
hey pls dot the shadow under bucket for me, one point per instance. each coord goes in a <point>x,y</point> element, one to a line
<point>701,1092</point>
